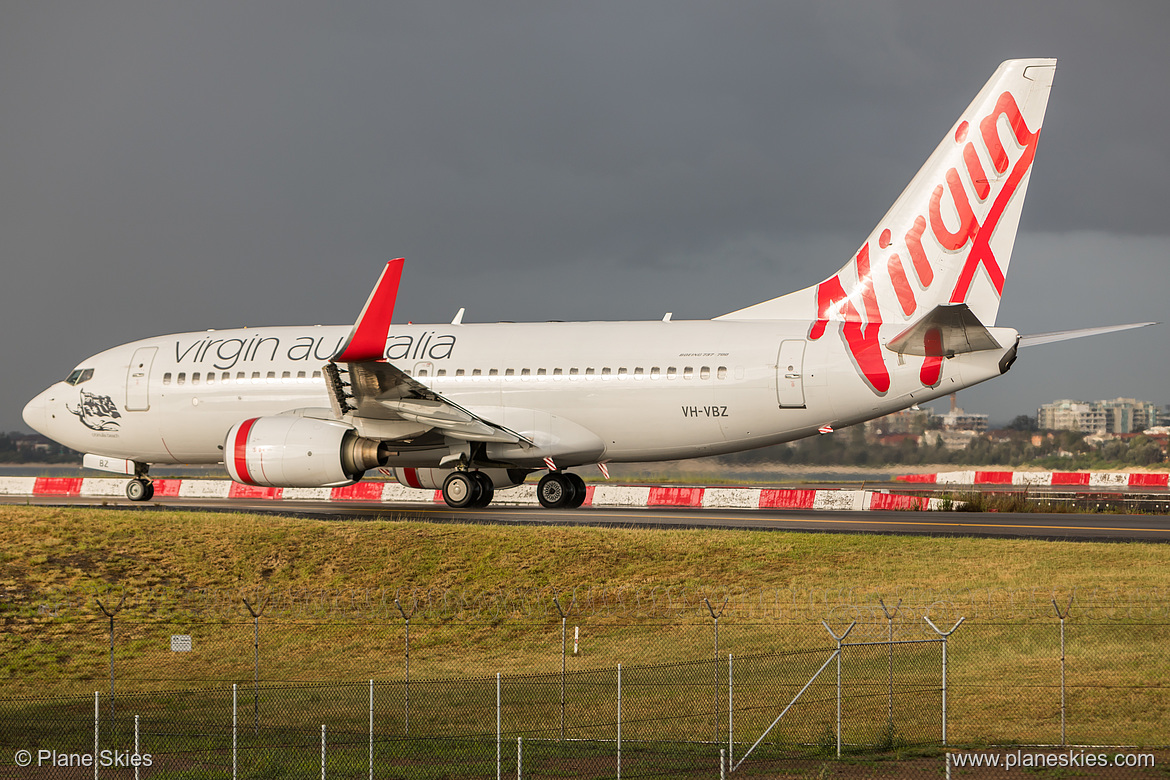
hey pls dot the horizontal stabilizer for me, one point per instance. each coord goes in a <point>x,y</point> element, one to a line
<point>949,329</point>
<point>1065,335</point>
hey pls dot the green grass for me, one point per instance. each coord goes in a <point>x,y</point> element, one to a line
<point>1002,673</point>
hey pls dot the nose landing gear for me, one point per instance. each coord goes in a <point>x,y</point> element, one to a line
<point>140,488</point>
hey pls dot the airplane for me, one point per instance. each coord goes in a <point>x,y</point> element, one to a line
<point>469,409</point>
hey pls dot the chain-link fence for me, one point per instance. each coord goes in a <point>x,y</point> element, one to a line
<point>443,685</point>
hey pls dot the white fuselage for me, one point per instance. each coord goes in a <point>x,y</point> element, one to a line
<point>647,390</point>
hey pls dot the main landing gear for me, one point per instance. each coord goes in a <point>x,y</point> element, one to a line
<point>468,489</point>
<point>560,490</point>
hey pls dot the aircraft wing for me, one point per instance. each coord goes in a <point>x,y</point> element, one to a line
<point>377,390</point>
<point>1064,335</point>
<point>363,385</point>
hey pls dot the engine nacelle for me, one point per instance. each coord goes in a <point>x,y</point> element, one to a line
<point>432,479</point>
<point>292,451</point>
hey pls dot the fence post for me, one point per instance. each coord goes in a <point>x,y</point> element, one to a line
<point>322,751</point>
<point>945,636</point>
<point>499,734</point>
<point>95,735</point>
<point>890,638</point>
<point>136,746</point>
<point>371,730</point>
<point>1062,615</point>
<point>619,724</point>
<point>407,618</point>
<point>715,616</point>
<point>234,729</point>
<point>730,712</point>
<point>564,648</point>
<point>519,758</point>
<point>839,639</point>
<point>256,613</point>
<point>110,614</point>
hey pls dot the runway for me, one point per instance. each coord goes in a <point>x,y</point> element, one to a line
<point>1078,527</point>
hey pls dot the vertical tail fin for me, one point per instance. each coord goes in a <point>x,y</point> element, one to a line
<point>948,237</point>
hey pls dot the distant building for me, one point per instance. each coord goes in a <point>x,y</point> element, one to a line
<point>958,420</point>
<point>1120,415</point>
<point>912,420</point>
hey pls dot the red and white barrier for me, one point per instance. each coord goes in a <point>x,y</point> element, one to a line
<point>1086,479</point>
<point>603,495</point>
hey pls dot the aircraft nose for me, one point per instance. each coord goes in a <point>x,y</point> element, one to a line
<point>36,413</point>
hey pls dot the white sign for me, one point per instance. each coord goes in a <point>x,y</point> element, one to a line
<point>180,643</point>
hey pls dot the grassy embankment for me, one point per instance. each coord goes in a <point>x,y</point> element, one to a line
<point>42,549</point>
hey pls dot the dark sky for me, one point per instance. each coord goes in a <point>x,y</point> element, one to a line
<point>178,166</point>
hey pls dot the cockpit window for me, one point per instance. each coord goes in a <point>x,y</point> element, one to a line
<point>79,375</point>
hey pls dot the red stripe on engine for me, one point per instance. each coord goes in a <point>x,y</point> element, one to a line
<point>240,451</point>
<point>411,477</point>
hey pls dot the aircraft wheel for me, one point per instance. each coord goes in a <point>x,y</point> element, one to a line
<point>579,487</point>
<point>555,490</point>
<point>487,489</point>
<point>461,489</point>
<point>139,490</point>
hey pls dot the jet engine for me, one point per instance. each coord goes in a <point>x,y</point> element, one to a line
<point>292,451</point>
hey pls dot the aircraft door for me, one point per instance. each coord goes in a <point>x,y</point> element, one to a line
<point>138,379</point>
<point>790,374</point>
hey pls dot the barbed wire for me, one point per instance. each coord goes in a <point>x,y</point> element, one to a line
<point>676,603</point>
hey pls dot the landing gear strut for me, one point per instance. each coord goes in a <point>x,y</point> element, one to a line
<point>560,490</point>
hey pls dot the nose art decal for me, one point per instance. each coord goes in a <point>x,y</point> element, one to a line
<point>96,412</point>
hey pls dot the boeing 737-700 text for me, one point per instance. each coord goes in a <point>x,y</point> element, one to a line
<point>473,408</point>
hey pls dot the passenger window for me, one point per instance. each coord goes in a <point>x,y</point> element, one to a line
<point>671,371</point>
<point>541,372</point>
<point>300,376</point>
<point>195,378</point>
<point>316,375</point>
<point>705,372</point>
<point>493,372</point>
<point>638,373</point>
<point>167,378</point>
<point>270,377</point>
<point>441,372</point>
<point>722,372</point>
<point>255,378</point>
<point>476,372</point>
<point>211,377</point>
<point>572,372</point>
<point>225,377</point>
<point>239,377</point>
<point>688,373</point>
<point>588,372</point>
<point>182,378</point>
<point>605,372</point>
<point>622,373</point>
<point>459,372</point>
<point>655,372</point>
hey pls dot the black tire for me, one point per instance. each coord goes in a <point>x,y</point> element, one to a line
<point>139,490</point>
<point>461,489</point>
<point>579,488</point>
<point>487,489</point>
<point>555,491</point>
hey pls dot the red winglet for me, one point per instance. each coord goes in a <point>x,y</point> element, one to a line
<point>367,340</point>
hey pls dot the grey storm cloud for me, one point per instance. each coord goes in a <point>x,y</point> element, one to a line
<point>168,166</point>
